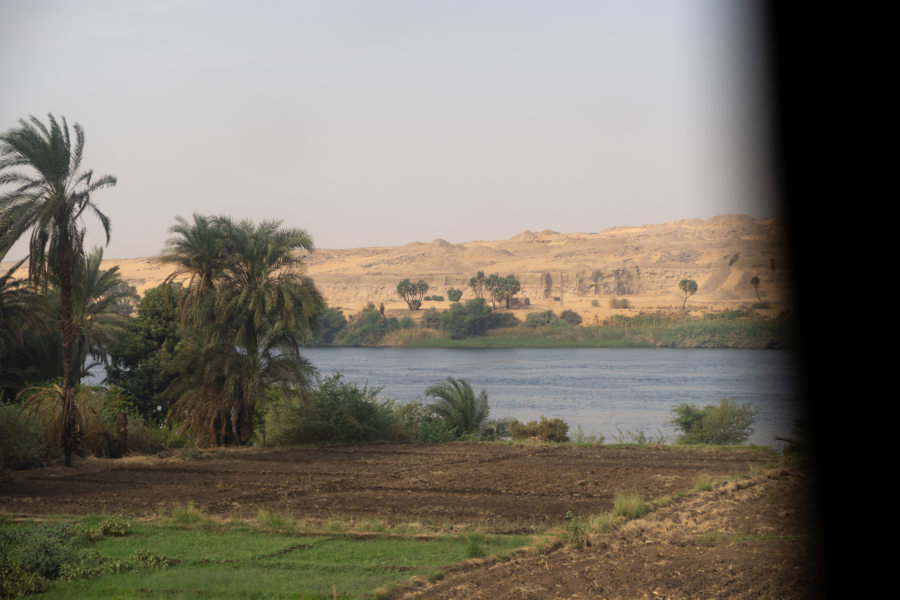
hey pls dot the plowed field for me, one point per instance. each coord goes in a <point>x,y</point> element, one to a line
<point>746,539</point>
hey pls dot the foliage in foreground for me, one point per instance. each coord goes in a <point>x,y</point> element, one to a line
<point>727,423</point>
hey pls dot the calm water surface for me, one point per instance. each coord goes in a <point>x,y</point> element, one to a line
<point>603,390</point>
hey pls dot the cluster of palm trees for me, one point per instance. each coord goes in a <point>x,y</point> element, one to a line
<point>247,310</point>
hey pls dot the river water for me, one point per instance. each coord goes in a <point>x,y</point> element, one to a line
<point>604,391</point>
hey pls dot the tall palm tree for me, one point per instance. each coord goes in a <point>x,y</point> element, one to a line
<point>249,320</point>
<point>49,195</point>
<point>458,406</point>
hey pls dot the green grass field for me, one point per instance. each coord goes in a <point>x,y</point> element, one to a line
<point>162,558</point>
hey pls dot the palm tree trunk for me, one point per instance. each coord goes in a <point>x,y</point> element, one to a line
<point>67,325</point>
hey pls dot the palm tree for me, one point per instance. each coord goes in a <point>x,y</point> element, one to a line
<point>197,252</point>
<point>457,405</point>
<point>50,193</point>
<point>101,304</point>
<point>249,321</point>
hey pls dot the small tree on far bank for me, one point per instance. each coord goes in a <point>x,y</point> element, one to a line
<point>412,293</point>
<point>754,281</point>
<point>454,295</point>
<point>478,284</point>
<point>502,289</point>
<point>689,287</point>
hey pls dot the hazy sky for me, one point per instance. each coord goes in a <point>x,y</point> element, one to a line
<point>381,122</point>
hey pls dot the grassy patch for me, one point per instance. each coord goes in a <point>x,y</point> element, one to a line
<point>629,506</point>
<point>193,556</point>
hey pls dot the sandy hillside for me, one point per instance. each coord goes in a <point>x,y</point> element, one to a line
<point>643,264</point>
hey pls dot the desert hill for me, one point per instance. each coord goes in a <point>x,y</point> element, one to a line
<point>561,270</point>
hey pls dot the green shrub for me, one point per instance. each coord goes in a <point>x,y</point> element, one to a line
<point>629,506</point>
<point>454,295</point>
<point>576,530</point>
<point>22,440</point>
<point>552,430</point>
<point>436,298</point>
<point>619,303</point>
<point>495,429</point>
<point>16,582</point>
<point>42,549</point>
<point>722,424</point>
<point>465,320</point>
<point>337,411</point>
<point>540,319</point>
<point>417,423</point>
<point>499,319</point>
<point>330,325</point>
<point>571,317</point>
<point>366,328</point>
<point>596,302</point>
<point>431,318</point>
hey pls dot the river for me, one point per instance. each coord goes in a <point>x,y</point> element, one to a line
<point>604,391</point>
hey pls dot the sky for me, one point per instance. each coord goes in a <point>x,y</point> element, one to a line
<point>382,122</point>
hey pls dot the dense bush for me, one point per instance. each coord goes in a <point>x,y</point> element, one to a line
<point>548,430</point>
<point>725,423</point>
<point>142,359</point>
<point>431,318</point>
<point>367,328</point>
<point>465,320</point>
<point>330,325</point>
<point>571,317</point>
<point>22,440</point>
<point>109,424</point>
<point>618,303</point>
<point>544,319</point>
<point>497,320</point>
<point>418,423</point>
<point>335,411</point>
<point>454,295</point>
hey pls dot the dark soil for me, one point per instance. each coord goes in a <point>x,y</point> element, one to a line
<point>750,538</point>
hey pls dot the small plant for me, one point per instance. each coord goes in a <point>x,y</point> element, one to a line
<point>579,438</point>
<point>116,525</point>
<point>473,541</point>
<point>576,530</point>
<point>703,484</point>
<point>595,302</point>
<point>273,520</point>
<point>187,514</point>
<point>547,430</point>
<point>602,523</point>
<point>629,506</point>
<point>619,303</point>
